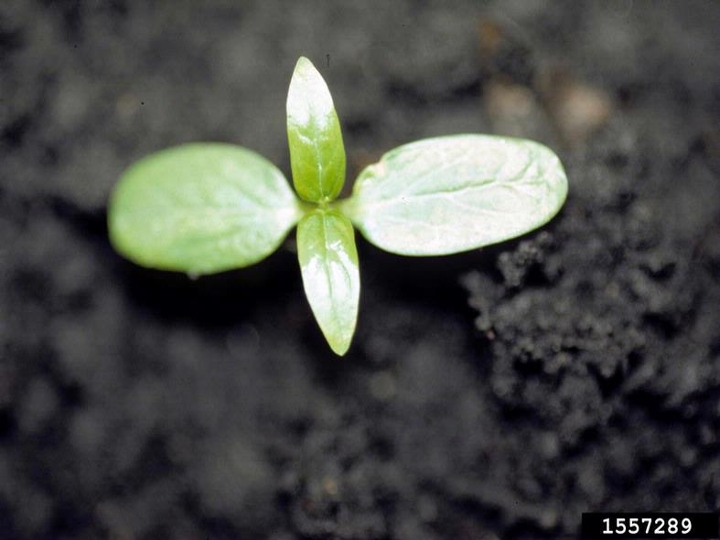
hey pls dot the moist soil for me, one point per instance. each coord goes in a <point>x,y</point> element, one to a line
<point>496,394</point>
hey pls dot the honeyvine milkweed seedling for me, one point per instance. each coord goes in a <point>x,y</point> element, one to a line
<point>202,208</point>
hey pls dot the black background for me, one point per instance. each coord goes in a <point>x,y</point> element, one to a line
<point>494,394</point>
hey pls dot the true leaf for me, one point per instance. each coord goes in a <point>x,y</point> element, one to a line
<point>329,265</point>
<point>201,208</point>
<point>317,155</point>
<point>450,194</point>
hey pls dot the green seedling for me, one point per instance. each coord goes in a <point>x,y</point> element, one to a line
<point>202,208</point>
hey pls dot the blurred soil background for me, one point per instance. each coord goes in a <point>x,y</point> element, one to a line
<point>494,395</point>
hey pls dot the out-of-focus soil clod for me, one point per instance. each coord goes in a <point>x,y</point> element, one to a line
<point>503,54</point>
<point>514,111</point>
<point>578,109</point>
<point>522,97</point>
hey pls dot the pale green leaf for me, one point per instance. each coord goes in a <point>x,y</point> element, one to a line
<point>450,194</point>
<point>201,208</point>
<point>317,155</point>
<point>329,265</point>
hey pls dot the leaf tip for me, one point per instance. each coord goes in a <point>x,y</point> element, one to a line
<point>341,346</point>
<point>304,69</point>
<point>303,63</point>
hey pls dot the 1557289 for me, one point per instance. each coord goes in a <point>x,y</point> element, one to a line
<point>650,525</point>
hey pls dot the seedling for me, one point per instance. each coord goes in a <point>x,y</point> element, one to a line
<point>203,208</point>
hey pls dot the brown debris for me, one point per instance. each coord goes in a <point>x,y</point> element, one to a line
<point>577,109</point>
<point>513,110</point>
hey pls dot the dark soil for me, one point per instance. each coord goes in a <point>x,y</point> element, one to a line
<point>492,395</point>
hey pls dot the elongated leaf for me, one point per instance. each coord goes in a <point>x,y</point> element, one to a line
<point>201,208</point>
<point>329,265</point>
<point>450,194</point>
<point>317,154</point>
